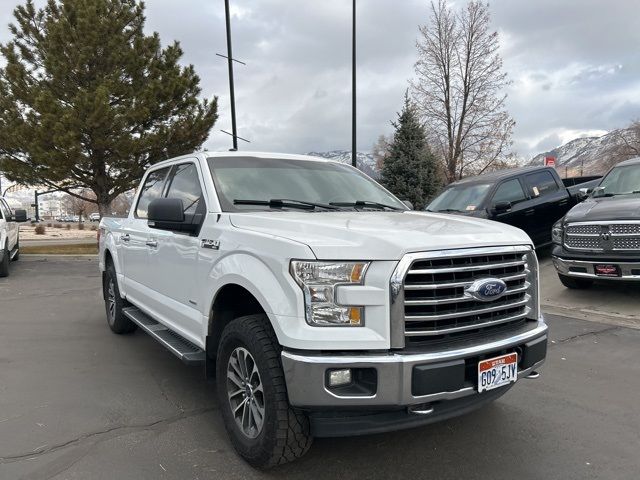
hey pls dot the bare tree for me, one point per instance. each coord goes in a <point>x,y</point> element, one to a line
<point>626,145</point>
<point>380,150</point>
<point>77,205</point>
<point>459,89</point>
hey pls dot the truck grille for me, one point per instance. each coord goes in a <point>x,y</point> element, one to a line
<point>603,236</point>
<point>436,306</point>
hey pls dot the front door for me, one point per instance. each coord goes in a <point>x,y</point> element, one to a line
<point>11,227</point>
<point>173,257</point>
<point>519,214</point>
<point>545,196</point>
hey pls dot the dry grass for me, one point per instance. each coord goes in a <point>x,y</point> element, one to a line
<point>81,249</point>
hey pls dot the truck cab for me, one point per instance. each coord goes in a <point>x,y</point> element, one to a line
<point>529,198</point>
<point>320,303</point>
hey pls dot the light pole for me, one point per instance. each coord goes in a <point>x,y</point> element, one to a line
<point>232,94</point>
<point>354,149</point>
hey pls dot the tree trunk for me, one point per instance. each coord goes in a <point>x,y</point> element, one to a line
<point>104,207</point>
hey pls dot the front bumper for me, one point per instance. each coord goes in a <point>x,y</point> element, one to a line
<point>402,379</point>
<point>584,269</point>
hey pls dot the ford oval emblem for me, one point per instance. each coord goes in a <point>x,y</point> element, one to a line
<point>487,289</point>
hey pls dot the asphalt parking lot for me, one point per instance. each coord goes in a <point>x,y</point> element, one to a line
<point>77,402</point>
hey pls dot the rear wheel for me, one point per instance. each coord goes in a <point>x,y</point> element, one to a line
<point>114,303</point>
<point>4,264</point>
<point>263,427</point>
<point>575,283</point>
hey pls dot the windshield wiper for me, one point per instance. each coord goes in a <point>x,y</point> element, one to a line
<point>446,210</point>
<point>364,204</point>
<point>286,203</point>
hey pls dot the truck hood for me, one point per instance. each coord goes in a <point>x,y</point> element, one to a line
<point>379,235</point>
<point>622,207</point>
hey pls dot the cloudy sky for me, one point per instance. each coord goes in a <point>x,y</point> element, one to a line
<point>575,66</point>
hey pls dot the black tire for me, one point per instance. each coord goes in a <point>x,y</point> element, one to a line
<point>4,265</point>
<point>575,283</point>
<point>285,434</point>
<point>114,304</point>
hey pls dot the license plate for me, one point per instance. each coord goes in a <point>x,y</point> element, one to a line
<point>497,372</point>
<point>606,270</point>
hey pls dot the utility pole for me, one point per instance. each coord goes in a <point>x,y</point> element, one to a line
<point>232,95</point>
<point>354,148</point>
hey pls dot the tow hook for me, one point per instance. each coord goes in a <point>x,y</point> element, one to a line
<point>421,409</point>
<point>533,375</point>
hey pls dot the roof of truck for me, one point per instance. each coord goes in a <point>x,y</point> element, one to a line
<point>631,161</point>
<point>498,175</point>
<point>285,156</point>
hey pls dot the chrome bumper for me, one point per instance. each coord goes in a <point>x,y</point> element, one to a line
<point>565,266</point>
<point>305,373</point>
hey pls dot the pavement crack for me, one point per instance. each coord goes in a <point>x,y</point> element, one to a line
<point>586,334</point>
<point>101,435</point>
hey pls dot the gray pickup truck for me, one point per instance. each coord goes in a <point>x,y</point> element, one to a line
<point>600,237</point>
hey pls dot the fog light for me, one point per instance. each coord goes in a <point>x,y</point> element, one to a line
<point>339,377</point>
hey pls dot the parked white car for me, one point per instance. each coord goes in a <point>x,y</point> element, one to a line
<point>94,217</point>
<point>9,235</point>
<point>322,305</point>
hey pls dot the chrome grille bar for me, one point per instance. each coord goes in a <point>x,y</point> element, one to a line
<point>429,298</point>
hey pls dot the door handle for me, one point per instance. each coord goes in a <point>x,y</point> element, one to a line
<point>531,211</point>
<point>125,238</point>
<point>151,243</point>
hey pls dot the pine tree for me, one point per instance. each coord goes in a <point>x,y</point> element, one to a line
<point>88,101</point>
<point>410,169</point>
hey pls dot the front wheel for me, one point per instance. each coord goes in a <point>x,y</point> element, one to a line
<point>263,427</point>
<point>575,283</point>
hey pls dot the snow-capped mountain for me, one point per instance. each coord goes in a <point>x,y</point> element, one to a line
<point>589,154</point>
<point>365,161</point>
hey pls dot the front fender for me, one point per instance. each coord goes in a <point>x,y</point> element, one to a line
<point>278,294</point>
<point>108,245</point>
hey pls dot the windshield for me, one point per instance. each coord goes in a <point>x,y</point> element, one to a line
<point>620,181</point>
<point>460,198</point>
<point>239,179</point>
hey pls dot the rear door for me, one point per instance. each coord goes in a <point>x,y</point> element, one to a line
<point>134,238</point>
<point>519,215</point>
<point>548,200</point>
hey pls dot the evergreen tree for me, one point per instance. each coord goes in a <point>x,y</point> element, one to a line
<point>410,169</point>
<point>88,101</point>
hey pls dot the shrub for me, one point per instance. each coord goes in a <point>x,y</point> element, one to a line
<point>57,225</point>
<point>94,228</point>
<point>68,227</point>
<point>40,230</point>
<point>49,225</point>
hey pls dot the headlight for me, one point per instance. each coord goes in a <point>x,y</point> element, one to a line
<point>319,281</point>
<point>557,232</point>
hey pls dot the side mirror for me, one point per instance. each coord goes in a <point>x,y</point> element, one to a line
<point>20,215</point>
<point>502,207</point>
<point>168,214</point>
<point>583,193</point>
<point>408,204</point>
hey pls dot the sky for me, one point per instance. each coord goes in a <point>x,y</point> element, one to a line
<point>574,66</point>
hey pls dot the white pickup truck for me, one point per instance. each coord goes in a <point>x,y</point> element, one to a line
<point>321,304</point>
<point>9,235</point>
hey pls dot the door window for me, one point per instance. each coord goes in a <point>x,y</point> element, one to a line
<point>4,210</point>
<point>151,190</point>
<point>509,191</point>
<point>540,184</point>
<point>185,185</point>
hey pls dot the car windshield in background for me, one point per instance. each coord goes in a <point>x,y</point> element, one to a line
<point>461,198</point>
<point>620,181</point>
<point>249,183</point>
